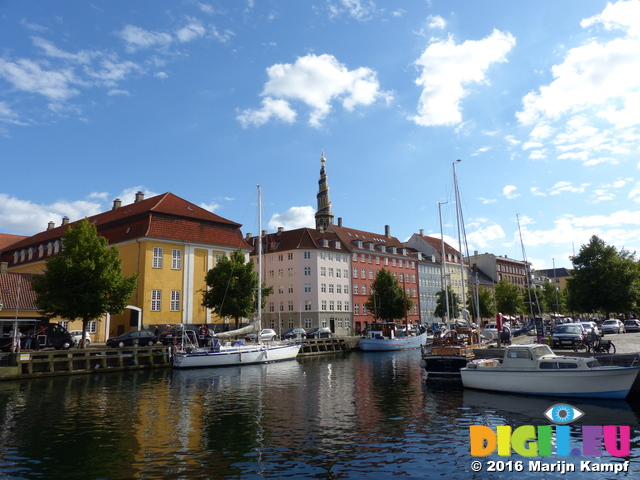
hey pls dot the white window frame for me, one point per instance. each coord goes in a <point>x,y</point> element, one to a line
<point>156,300</point>
<point>175,301</point>
<point>176,259</point>
<point>158,252</point>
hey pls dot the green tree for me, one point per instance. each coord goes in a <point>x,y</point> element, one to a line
<point>486,303</point>
<point>388,300</point>
<point>232,288</point>
<point>441,305</point>
<point>84,280</point>
<point>603,279</point>
<point>508,298</point>
<point>553,299</point>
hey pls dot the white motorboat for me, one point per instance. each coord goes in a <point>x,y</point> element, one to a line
<point>384,337</point>
<point>535,370</point>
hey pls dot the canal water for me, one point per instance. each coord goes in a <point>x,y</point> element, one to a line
<point>335,417</point>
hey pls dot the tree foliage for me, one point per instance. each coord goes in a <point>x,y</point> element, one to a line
<point>441,305</point>
<point>604,279</point>
<point>486,303</point>
<point>388,300</point>
<point>84,280</point>
<point>553,299</point>
<point>232,288</point>
<point>509,298</point>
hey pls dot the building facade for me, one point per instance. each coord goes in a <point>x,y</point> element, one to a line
<point>170,242</point>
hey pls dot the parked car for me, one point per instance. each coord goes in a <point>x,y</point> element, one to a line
<point>140,337</point>
<point>321,332</point>
<point>632,325</point>
<point>266,334</point>
<point>613,326</point>
<point>490,330</point>
<point>76,336</point>
<point>174,336</point>
<point>567,335</point>
<point>591,327</point>
<point>294,333</point>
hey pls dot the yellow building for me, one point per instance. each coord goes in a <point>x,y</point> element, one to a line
<point>169,241</point>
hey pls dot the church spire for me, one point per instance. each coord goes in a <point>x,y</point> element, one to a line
<point>324,215</point>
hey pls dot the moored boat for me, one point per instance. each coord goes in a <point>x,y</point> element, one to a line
<point>239,354</point>
<point>384,336</point>
<point>534,369</point>
<point>450,351</point>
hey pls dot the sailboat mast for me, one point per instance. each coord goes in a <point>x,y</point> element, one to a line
<point>459,219</point>
<point>259,260</point>
<point>443,270</point>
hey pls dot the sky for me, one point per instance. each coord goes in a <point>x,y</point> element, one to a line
<point>207,99</point>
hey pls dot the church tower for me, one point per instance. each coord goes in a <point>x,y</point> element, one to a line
<point>324,215</point>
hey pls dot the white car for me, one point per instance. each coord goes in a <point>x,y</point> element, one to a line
<point>76,336</point>
<point>266,334</point>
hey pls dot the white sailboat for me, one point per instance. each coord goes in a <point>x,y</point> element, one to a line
<point>219,355</point>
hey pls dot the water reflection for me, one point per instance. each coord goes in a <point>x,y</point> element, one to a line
<point>370,414</point>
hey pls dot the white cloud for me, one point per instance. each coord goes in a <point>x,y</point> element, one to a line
<point>359,9</point>
<point>562,187</point>
<point>508,191</point>
<point>212,207</point>
<point>137,38</point>
<point>483,237</point>
<point>436,22</point>
<point>448,68</point>
<point>295,217</point>
<point>29,76</point>
<point>317,81</point>
<point>589,110</point>
<point>191,31</point>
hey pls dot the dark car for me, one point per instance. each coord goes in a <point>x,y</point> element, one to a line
<point>141,337</point>
<point>568,335</point>
<point>321,332</point>
<point>294,333</point>
<point>632,325</point>
<point>174,336</point>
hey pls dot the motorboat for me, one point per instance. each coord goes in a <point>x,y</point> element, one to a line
<point>535,370</point>
<point>385,336</point>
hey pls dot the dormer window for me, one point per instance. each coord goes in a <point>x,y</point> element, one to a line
<point>49,248</point>
<point>40,251</point>
<point>15,257</point>
<point>56,247</point>
<point>30,253</point>
<point>368,245</point>
<point>358,243</point>
<point>23,255</point>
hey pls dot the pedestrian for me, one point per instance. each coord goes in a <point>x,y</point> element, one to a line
<point>27,342</point>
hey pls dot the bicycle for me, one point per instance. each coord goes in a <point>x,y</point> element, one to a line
<point>596,344</point>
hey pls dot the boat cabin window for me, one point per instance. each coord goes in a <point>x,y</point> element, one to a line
<point>593,363</point>
<point>548,365</point>
<point>567,365</point>
<point>519,354</point>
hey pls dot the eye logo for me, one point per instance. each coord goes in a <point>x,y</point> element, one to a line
<point>560,413</point>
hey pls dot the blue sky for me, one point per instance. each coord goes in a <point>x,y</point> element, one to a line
<point>538,100</point>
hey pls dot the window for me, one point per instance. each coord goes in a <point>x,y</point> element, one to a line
<point>307,305</point>
<point>346,305</point>
<point>290,272</point>
<point>331,307</point>
<point>339,305</point>
<point>280,273</point>
<point>307,288</point>
<point>338,288</point>
<point>176,259</point>
<point>323,287</point>
<point>364,273</point>
<point>175,300</point>
<point>371,277</point>
<point>157,257</point>
<point>331,288</point>
<point>290,288</point>
<point>355,272</point>
<point>291,305</point>
<point>338,272</point>
<point>323,271</point>
<point>280,289</point>
<point>65,324</point>
<point>330,271</point>
<point>92,326</point>
<point>346,273</point>
<point>307,255</point>
<point>307,271</point>
<point>356,307</point>
<point>272,307</point>
<point>156,300</point>
<point>346,289</point>
<point>355,289</point>
<point>323,305</point>
<point>290,256</point>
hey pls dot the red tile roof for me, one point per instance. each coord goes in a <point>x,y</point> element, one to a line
<point>8,239</point>
<point>165,216</point>
<point>15,288</point>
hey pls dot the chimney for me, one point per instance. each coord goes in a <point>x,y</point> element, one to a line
<point>280,230</point>
<point>4,267</point>
<point>51,226</point>
<point>422,232</point>
<point>340,221</point>
<point>139,197</point>
<point>117,203</point>
<point>264,233</point>
<point>248,236</point>
<point>65,220</point>
<point>387,231</point>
